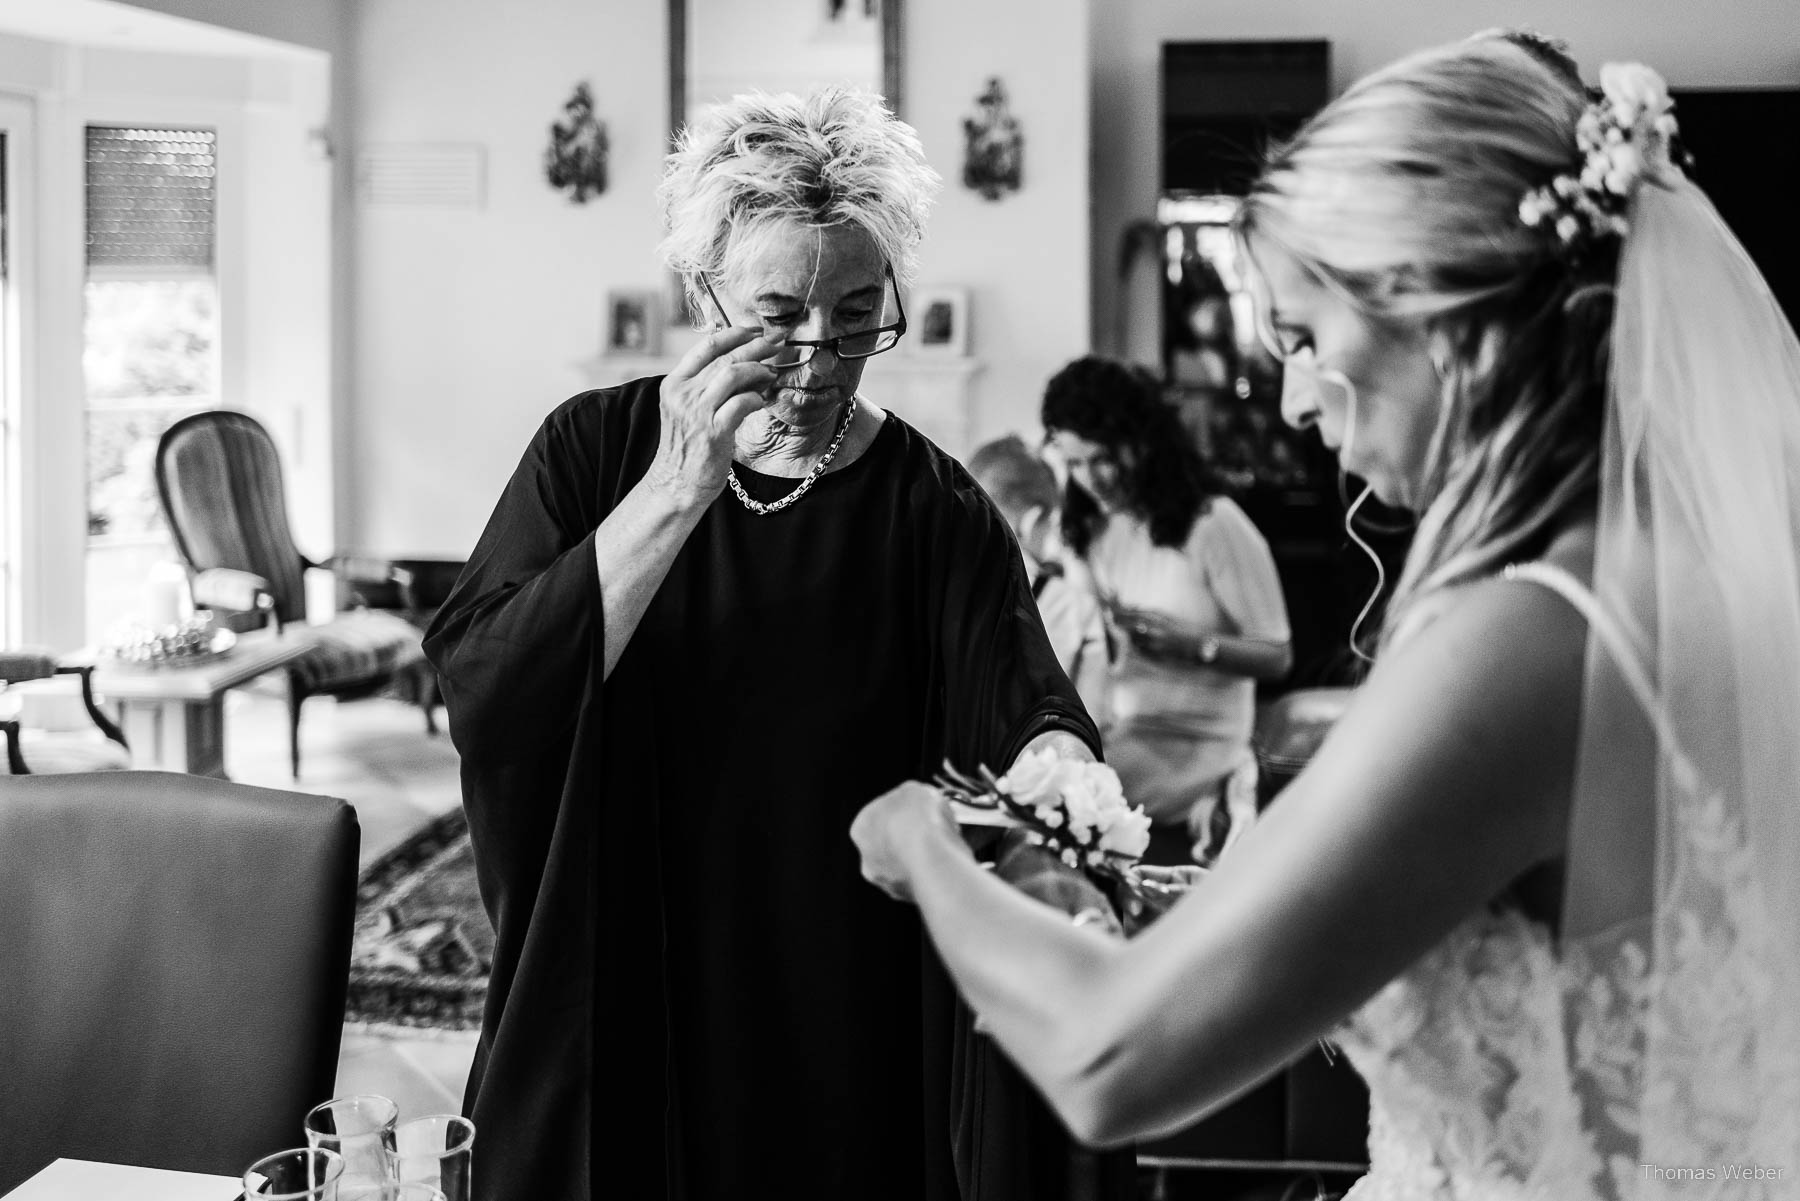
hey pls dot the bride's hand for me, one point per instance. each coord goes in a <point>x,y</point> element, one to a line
<point>895,827</point>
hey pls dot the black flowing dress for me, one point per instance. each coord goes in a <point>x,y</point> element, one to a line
<point>695,994</point>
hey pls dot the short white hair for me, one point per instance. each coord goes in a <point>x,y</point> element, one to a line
<point>836,157</point>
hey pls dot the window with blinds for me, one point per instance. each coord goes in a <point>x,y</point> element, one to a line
<point>151,202</point>
<point>152,340</point>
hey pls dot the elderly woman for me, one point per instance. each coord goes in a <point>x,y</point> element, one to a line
<point>709,613</point>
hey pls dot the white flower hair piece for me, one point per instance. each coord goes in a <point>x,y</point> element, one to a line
<point>1626,136</point>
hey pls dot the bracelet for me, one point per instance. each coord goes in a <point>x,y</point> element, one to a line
<point>1091,917</point>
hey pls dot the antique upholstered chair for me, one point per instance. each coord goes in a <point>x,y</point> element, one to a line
<point>220,481</point>
<point>174,954</point>
<point>41,750</point>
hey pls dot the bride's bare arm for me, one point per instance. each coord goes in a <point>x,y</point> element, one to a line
<point>1446,780</point>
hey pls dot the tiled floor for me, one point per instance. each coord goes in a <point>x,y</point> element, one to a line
<point>376,755</point>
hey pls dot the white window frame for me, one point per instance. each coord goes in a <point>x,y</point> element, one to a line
<point>18,116</point>
<point>56,441</point>
<point>67,93</point>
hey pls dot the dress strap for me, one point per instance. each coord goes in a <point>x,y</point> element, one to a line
<point>1562,582</point>
<point>1612,635</point>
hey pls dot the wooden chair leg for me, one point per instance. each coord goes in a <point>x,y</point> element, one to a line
<point>429,698</point>
<point>295,697</point>
<point>105,723</point>
<point>15,761</point>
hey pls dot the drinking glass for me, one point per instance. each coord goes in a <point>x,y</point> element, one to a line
<point>302,1174</point>
<point>437,1150</point>
<point>361,1129</point>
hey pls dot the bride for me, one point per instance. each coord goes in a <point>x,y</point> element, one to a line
<point>1542,882</point>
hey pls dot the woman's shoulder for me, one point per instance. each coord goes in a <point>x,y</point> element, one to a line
<point>1489,647</point>
<point>1221,514</point>
<point>929,474</point>
<point>1223,527</point>
<point>1569,554</point>
<point>598,407</point>
<point>605,421</point>
<point>1500,599</point>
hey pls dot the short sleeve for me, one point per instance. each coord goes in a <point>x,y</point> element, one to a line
<point>1239,569</point>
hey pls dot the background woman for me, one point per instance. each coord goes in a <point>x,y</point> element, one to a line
<point>1541,879</point>
<point>1190,594</point>
<point>708,610</point>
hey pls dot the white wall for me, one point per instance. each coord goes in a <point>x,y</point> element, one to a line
<point>1733,43</point>
<point>470,326</point>
<point>1024,257</point>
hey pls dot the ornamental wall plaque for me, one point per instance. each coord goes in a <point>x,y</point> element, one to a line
<point>576,159</point>
<point>993,145</point>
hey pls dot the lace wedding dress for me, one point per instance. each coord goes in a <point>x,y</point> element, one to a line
<point>1504,1066</point>
<point>1473,1089</point>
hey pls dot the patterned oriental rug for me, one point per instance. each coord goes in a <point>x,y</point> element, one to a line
<point>422,945</point>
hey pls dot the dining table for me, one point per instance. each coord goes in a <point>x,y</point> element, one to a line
<point>86,1180</point>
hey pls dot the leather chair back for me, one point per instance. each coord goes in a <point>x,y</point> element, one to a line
<point>174,954</point>
<point>220,480</point>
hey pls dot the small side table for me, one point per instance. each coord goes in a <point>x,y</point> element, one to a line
<point>174,717</point>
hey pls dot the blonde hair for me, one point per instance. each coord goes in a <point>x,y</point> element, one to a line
<point>758,161</point>
<point>1402,196</point>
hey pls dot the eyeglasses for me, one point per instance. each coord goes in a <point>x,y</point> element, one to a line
<point>863,344</point>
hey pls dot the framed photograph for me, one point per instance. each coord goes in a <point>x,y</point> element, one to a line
<point>939,320</point>
<point>632,322</point>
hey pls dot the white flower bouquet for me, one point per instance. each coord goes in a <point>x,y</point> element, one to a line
<point>1077,812</point>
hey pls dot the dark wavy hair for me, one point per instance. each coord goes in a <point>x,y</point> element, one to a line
<point>1120,406</point>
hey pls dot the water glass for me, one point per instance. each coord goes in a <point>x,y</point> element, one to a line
<point>302,1174</point>
<point>437,1150</point>
<point>361,1129</point>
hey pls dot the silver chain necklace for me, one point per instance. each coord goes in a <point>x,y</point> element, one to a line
<point>818,469</point>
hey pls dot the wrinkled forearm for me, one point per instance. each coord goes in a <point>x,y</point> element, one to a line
<point>633,550</point>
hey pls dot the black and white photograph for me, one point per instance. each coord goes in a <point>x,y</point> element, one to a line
<point>899,600</point>
<point>942,316</point>
<point>632,324</point>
